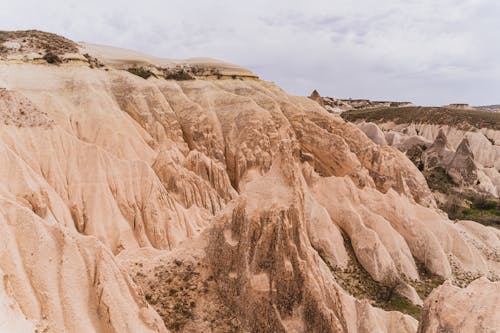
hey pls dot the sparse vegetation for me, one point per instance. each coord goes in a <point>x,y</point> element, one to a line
<point>463,119</point>
<point>483,209</point>
<point>358,282</point>
<point>481,212</point>
<point>458,205</point>
<point>38,41</point>
<point>483,202</point>
<point>463,205</point>
<point>182,293</point>
<point>93,62</point>
<point>175,302</point>
<point>428,281</point>
<point>216,72</point>
<point>439,180</point>
<point>471,206</point>
<point>142,72</point>
<point>178,75</point>
<point>401,304</point>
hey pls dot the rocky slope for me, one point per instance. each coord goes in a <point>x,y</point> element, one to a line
<point>138,201</point>
<point>339,105</point>
<point>457,150</point>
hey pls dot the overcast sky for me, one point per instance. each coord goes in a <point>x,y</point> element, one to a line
<point>431,52</point>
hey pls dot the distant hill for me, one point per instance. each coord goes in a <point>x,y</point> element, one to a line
<point>494,108</point>
<point>460,118</point>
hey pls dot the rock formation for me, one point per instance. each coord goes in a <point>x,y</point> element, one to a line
<point>457,150</point>
<point>315,96</point>
<point>472,309</point>
<point>339,105</point>
<point>219,202</point>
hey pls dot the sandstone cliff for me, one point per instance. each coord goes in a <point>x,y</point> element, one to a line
<point>218,202</point>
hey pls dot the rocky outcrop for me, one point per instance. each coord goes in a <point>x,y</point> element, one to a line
<point>462,185</point>
<point>374,133</point>
<point>338,105</point>
<point>315,96</point>
<point>462,168</point>
<point>438,154</point>
<point>472,309</point>
<point>468,158</point>
<point>227,188</point>
<point>266,266</point>
<point>67,282</point>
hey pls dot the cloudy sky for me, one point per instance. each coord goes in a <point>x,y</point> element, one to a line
<point>427,51</point>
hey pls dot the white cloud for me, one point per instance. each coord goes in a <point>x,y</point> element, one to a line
<point>427,51</point>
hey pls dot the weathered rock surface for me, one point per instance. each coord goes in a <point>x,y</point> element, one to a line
<point>472,309</point>
<point>220,183</point>
<point>462,185</point>
<point>471,158</point>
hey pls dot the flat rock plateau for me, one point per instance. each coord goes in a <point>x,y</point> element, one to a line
<point>140,194</point>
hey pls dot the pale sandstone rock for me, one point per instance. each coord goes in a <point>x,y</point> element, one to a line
<point>12,319</point>
<point>472,309</point>
<point>471,158</point>
<point>65,281</point>
<point>274,180</point>
<point>373,132</point>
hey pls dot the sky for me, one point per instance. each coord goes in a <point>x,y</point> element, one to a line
<point>431,52</point>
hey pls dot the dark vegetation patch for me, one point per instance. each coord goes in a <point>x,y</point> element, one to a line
<point>52,58</point>
<point>481,208</point>
<point>180,72</point>
<point>142,72</point>
<point>178,75</point>
<point>428,281</point>
<point>462,204</point>
<point>358,282</point>
<point>189,72</point>
<point>463,119</point>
